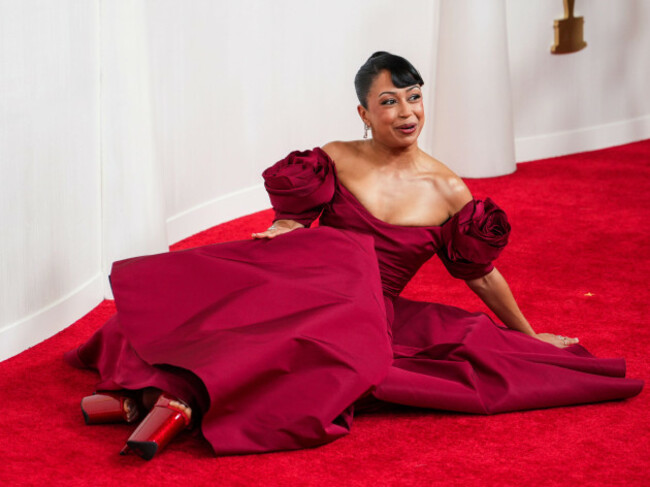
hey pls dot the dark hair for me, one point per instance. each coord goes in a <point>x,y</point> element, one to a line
<point>401,72</point>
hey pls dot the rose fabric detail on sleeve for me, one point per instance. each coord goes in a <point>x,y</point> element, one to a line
<point>473,238</point>
<point>300,185</point>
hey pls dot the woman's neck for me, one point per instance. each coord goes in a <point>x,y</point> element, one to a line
<point>393,156</point>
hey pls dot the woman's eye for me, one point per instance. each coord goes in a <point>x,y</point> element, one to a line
<point>415,97</point>
<point>388,101</point>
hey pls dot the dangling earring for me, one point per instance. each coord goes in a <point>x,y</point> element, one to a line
<point>365,130</point>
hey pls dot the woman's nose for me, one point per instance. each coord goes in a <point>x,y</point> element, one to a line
<point>404,110</point>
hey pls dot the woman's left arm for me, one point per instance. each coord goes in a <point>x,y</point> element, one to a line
<point>496,294</point>
<point>492,288</point>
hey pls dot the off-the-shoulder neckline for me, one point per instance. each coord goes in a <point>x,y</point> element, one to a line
<point>367,211</point>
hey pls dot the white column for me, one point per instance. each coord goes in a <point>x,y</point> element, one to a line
<point>473,129</point>
<point>133,210</point>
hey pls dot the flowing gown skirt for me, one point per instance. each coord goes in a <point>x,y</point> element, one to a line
<point>449,358</point>
<point>284,335</point>
<point>275,340</point>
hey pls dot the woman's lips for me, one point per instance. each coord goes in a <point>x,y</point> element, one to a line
<point>407,128</point>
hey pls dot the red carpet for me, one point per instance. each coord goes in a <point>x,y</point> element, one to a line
<point>578,263</point>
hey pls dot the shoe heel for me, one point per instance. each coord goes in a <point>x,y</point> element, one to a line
<point>108,408</point>
<point>158,428</point>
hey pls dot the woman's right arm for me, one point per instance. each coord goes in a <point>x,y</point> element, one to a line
<point>278,228</point>
<point>299,186</point>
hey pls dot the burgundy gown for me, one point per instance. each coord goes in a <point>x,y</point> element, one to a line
<point>274,341</point>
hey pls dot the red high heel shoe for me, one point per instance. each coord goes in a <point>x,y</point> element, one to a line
<point>110,407</point>
<point>158,428</point>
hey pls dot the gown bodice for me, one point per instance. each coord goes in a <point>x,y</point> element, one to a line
<point>305,185</point>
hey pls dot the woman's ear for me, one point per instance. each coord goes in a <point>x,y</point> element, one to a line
<point>363,113</point>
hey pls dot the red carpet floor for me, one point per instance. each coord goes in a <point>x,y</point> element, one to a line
<point>579,264</point>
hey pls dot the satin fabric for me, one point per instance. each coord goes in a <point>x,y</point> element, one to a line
<point>275,341</point>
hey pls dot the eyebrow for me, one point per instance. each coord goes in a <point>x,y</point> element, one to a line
<point>394,93</point>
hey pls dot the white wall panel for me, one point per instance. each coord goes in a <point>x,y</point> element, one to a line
<point>594,98</point>
<point>237,85</point>
<point>49,168</point>
<point>133,204</point>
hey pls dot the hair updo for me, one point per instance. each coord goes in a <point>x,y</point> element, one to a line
<point>401,72</point>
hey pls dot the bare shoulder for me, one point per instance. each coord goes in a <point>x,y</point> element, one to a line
<point>447,183</point>
<point>344,153</point>
<point>351,148</point>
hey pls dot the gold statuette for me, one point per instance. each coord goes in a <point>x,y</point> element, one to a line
<point>569,35</point>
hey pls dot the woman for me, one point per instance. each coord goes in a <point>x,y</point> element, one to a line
<point>272,342</point>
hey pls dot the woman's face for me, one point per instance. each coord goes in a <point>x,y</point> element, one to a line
<point>395,115</point>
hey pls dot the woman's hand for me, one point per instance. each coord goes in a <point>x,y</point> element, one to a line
<point>557,340</point>
<point>278,228</point>
<point>495,292</point>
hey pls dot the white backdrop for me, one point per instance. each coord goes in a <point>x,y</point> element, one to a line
<point>126,125</point>
<point>237,85</point>
<point>50,174</point>
<point>597,97</point>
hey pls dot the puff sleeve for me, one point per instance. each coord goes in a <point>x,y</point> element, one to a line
<point>473,238</point>
<point>300,185</point>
